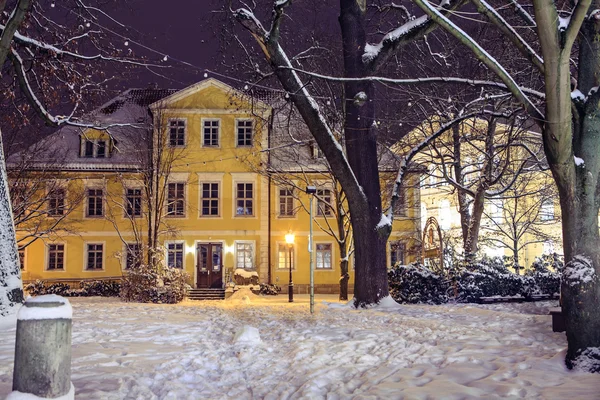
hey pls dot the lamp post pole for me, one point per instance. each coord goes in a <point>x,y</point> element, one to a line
<point>289,239</point>
<point>311,190</point>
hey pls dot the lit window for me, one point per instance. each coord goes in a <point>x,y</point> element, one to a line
<point>56,256</point>
<point>286,203</point>
<point>397,253</point>
<point>56,202</point>
<point>547,210</point>
<point>133,202</point>
<point>244,199</point>
<point>496,210</point>
<point>175,255</point>
<point>323,202</point>
<point>444,215</point>
<point>176,132</point>
<point>283,256</point>
<point>94,256</point>
<point>323,256</point>
<point>245,132</point>
<point>210,133</point>
<point>210,199</point>
<point>176,200</point>
<point>95,203</point>
<point>244,255</point>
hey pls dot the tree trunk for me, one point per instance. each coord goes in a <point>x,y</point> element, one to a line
<point>515,250</point>
<point>11,285</point>
<point>360,130</point>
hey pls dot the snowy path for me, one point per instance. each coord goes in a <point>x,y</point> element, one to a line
<point>133,351</point>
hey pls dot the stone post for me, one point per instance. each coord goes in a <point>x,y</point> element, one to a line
<point>43,348</point>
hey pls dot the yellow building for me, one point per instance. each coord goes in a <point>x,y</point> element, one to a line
<point>195,162</point>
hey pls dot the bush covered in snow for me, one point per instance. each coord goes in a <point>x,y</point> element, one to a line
<point>86,288</point>
<point>269,290</point>
<point>488,277</point>
<point>149,285</point>
<point>542,280</point>
<point>414,283</point>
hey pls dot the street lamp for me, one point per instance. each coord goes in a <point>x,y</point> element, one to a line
<point>289,239</point>
<point>311,191</point>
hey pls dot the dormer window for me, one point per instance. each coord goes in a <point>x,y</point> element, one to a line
<point>94,148</point>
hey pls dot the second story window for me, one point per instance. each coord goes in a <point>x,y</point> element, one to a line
<point>210,199</point>
<point>95,203</point>
<point>176,200</point>
<point>324,202</point>
<point>286,203</point>
<point>133,202</point>
<point>56,202</point>
<point>210,133</point>
<point>244,132</point>
<point>176,132</point>
<point>244,199</point>
<point>400,206</point>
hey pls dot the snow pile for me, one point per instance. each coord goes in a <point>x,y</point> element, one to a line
<point>16,395</point>
<point>247,335</point>
<point>579,271</point>
<point>577,95</point>
<point>245,274</point>
<point>244,295</point>
<point>30,310</point>
<point>383,222</point>
<point>588,360</point>
<point>579,161</point>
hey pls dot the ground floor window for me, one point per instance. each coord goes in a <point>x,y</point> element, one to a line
<point>175,255</point>
<point>283,256</point>
<point>56,256</point>
<point>22,259</point>
<point>244,255</point>
<point>94,256</point>
<point>323,255</point>
<point>133,255</point>
<point>397,253</point>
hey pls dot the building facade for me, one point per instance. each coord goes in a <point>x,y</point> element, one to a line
<point>193,169</point>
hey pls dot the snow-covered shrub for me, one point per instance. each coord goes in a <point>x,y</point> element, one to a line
<point>147,285</point>
<point>579,271</point>
<point>36,288</point>
<point>488,277</point>
<point>544,281</point>
<point>99,288</point>
<point>243,277</point>
<point>414,283</point>
<point>268,289</point>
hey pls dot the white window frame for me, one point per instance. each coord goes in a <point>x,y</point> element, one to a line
<point>316,255</point>
<point>547,210</point>
<point>64,202</point>
<point>95,147</point>
<point>126,215</point>
<point>286,257</point>
<point>279,203</point>
<point>124,258</point>
<point>235,199</point>
<point>252,136</point>
<point>252,243</point>
<point>185,197</point>
<point>85,256</point>
<point>219,130</point>
<point>185,133</point>
<point>47,257</point>
<point>167,243</point>
<point>329,209</point>
<point>201,198</point>
<point>87,202</point>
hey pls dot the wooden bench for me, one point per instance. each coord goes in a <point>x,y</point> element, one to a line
<point>558,319</point>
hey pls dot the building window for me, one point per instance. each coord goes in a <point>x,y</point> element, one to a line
<point>547,210</point>
<point>101,149</point>
<point>397,253</point>
<point>400,206</point>
<point>95,203</point>
<point>175,255</point>
<point>56,202</point>
<point>56,256</point>
<point>94,148</point>
<point>210,133</point>
<point>286,203</point>
<point>496,208</point>
<point>22,259</point>
<point>323,256</point>
<point>244,199</point>
<point>210,199</point>
<point>176,199</point>
<point>283,256</point>
<point>316,151</point>
<point>323,202</point>
<point>444,215</point>
<point>133,202</point>
<point>244,255</point>
<point>89,148</point>
<point>176,132</point>
<point>245,132</point>
<point>94,256</point>
<point>133,255</point>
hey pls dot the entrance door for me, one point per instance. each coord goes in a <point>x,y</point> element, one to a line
<point>209,265</point>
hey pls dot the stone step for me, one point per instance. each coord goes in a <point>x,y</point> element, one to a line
<point>206,294</point>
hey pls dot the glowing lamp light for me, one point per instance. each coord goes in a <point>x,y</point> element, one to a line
<point>289,238</point>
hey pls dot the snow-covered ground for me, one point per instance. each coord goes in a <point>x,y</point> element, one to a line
<point>208,350</point>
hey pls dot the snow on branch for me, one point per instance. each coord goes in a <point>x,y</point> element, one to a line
<point>427,80</point>
<point>482,55</point>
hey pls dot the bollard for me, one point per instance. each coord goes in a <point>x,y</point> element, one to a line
<point>43,349</point>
